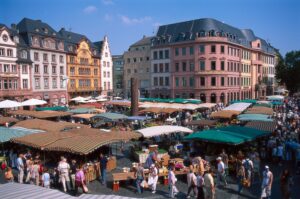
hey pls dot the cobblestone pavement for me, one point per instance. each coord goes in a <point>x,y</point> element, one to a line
<point>128,189</point>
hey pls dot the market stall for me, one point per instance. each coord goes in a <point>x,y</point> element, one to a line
<point>80,142</point>
<point>241,106</point>
<point>39,114</point>
<point>224,114</point>
<point>261,125</point>
<point>163,130</point>
<point>47,125</point>
<point>254,117</point>
<point>260,110</point>
<point>7,120</point>
<point>202,123</point>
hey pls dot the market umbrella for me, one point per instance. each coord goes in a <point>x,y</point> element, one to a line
<point>163,130</point>
<point>33,102</point>
<point>9,104</point>
<point>79,98</point>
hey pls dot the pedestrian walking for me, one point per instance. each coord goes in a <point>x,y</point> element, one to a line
<point>225,159</point>
<point>248,166</point>
<point>267,183</point>
<point>221,175</point>
<point>46,178</point>
<point>192,182</point>
<point>153,177</point>
<point>173,191</point>
<point>240,177</point>
<point>80,180</point>
<point>103,165</point>
<point>209,185</point>
<point>73,168</point>
<point>34,173</point>
<point>63,169</point>
<point>286,183</point>
<point>200,186</point>
<point>20,166</point>
<point>140,176</point>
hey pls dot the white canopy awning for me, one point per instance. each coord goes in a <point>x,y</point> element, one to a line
<point>163,130</point>
<point>9,104</point>
<point>238,106</point>
<point>79,98</point>
<point>275,97</point>
<point>176,106</point>
<point>33,102</point>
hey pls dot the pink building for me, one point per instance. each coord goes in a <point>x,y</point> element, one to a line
<point>215,62</point>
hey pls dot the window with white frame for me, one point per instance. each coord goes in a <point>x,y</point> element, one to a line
<point>25,83</point>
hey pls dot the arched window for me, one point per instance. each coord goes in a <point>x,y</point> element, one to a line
<point>203,97</point>
<point>213,98</point>
<point>222,97</point>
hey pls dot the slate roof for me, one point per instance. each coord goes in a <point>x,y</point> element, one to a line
<point>98,45</point>
<point>144,41</point>
<point>189,30</point>
<point>72,38</point>
<point>36,27</point>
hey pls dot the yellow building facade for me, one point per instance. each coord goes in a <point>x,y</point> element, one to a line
<point>83,70</point>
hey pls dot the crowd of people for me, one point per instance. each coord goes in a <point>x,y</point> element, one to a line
<point>281,147</point>
<point>70,177</point>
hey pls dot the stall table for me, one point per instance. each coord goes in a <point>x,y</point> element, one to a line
<point>92,171</point>
<point>123,176</point>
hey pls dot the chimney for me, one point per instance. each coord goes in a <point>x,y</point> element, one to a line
<point>40,21</point>
<point>144,36</point>
<point>13,26</point>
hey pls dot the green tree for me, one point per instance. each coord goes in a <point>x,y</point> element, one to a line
<point>288,71</point>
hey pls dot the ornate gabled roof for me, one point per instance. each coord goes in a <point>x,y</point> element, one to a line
<point>72,39</point>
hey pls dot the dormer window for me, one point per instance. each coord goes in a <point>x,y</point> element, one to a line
<point>211,33</point>
<point>23,54</point>
<point>95,52</point>
<point>60,45</point>
<point>54,34</point>
<point>37,30</point>
<point>45,30</point>
<point>71,48</point>
<point>16,39</point>
<point>202,34</point>
<point>258,45</point>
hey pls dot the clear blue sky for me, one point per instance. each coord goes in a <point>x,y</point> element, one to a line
<point>126,21</point>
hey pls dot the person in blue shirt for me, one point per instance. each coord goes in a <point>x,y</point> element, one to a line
<point>103,165</point>
<point>46,178</point>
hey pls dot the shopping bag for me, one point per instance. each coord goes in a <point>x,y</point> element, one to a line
<point>85,189</point>
<point>144,184</point>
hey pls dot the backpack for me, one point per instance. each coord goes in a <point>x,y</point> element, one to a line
<point>247,165</point>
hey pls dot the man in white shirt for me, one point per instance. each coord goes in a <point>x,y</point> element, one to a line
<point>192,182</point>
<point>267,183</point>
<point>153,177</point>
<point>20,166</point>
<point>209,185</point>
<point>172,181</point>
<point>221,176</point>
<point>63,169</point>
